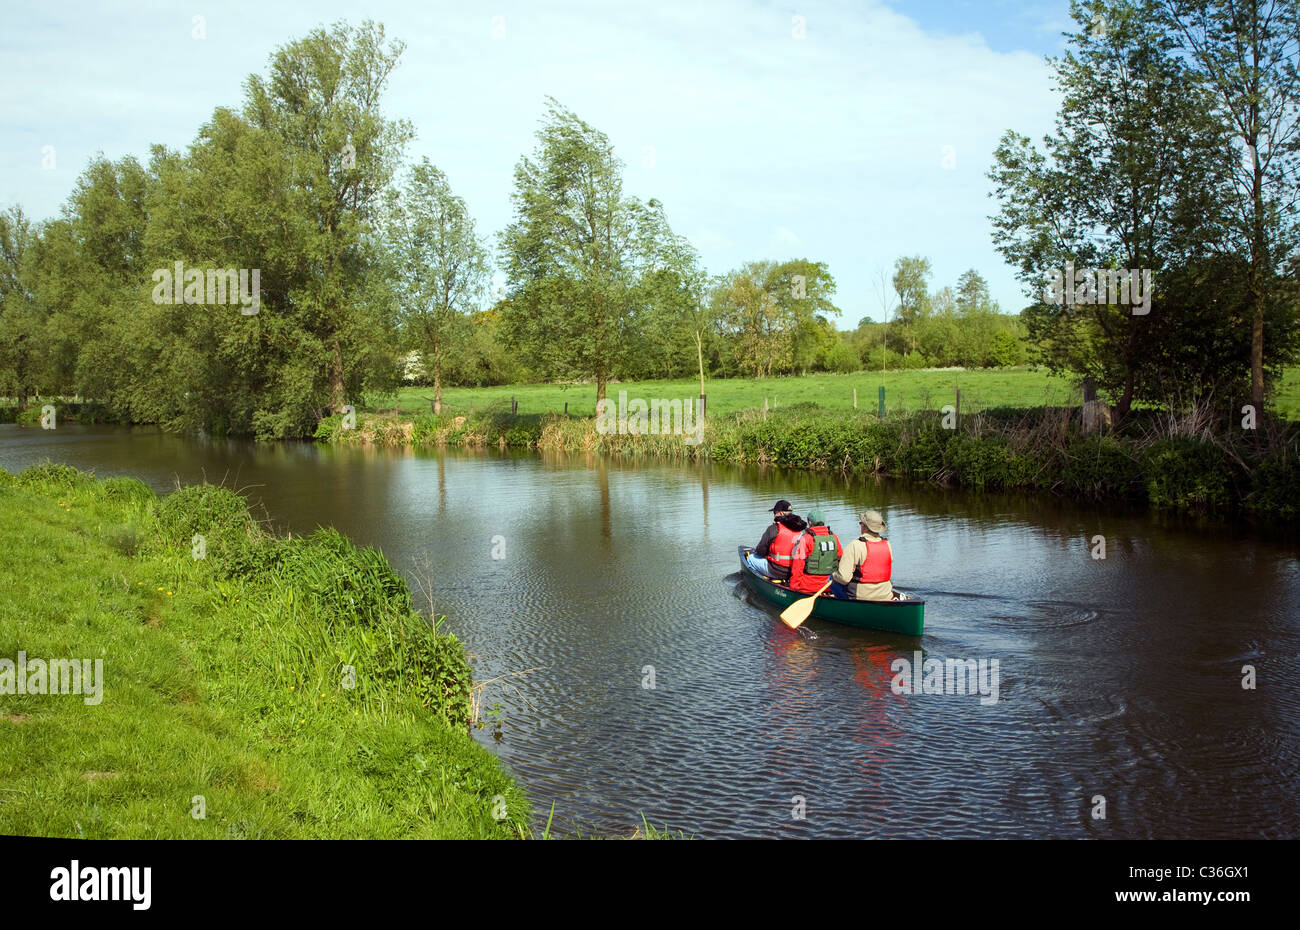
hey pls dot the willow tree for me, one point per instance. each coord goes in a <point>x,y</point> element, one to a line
<point>441,266</point>
<point>21,321</point>
<point>911,284</point>
<point>761,335</point>
<point>575,255</point>
<point>320,106</point>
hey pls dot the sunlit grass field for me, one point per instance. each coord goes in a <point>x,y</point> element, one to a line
<point>909,390</point>
<point>904,390</point>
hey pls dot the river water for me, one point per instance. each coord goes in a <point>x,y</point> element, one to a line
<point>636,676</point>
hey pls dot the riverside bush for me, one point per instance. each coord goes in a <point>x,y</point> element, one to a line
<point>922,450</point>
<point>234,543</point>
<point>981,462</point>
<point>1097,467</point>
<point>1188,475</point>
<point>327,428</point>
<point>1275,486</point>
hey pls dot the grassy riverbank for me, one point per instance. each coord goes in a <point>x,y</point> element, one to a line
<point>226,682</point>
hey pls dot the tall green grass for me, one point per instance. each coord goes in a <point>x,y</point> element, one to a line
<point>288,684</point>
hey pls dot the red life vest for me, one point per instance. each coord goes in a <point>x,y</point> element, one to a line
<point>817,553</point>
<point>879,564</point>
<point>780,555</point>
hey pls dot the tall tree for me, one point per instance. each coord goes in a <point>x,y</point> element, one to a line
<point>321,101</point>
<point>761,335</point>
<point>1133,178</point>
<point>677,326</point>
<point>575,253</point>
<point>911,277</point>
<point>22,325</point>
<point>1247,52</point>
<point>440,265</point>
<point>804,290</point>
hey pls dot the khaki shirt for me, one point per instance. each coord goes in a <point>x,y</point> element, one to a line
<point>855,553</point>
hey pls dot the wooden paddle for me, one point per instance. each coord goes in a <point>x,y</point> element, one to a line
<point>802,609</point>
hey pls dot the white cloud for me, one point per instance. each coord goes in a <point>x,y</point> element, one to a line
<point>838,135</point>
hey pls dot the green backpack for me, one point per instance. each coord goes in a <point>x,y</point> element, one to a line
<point>822,559</point>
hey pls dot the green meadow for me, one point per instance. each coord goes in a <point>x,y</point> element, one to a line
<point>927,389</point>
<point>273,688</point>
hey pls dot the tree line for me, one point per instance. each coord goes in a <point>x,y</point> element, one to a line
<point>1174,154</point>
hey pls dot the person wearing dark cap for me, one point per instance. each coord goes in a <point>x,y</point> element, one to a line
<point>758,559</point>
<point>817,552</point>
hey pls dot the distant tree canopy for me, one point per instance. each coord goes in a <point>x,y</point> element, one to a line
<point>961,327</point>
<point>289,261</point>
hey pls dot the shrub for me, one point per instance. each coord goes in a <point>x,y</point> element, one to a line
<point>1098,467</point>
<point>432,665</point>
<point>1188,475</point>
<point>979,461</point>
<point>53,475</point>
<point>234,543</point>
<point>1275,487</point>
<point>327,429</point>
<point>1006,351</point>
<point>921,452</point>
<point>93,413</point>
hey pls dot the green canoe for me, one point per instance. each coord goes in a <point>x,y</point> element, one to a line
<point>903,616</point>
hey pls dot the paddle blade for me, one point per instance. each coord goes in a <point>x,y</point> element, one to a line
<point>802,609</point>
<point>798,612</point>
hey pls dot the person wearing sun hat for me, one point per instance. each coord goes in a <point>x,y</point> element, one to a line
<point>868,563</point>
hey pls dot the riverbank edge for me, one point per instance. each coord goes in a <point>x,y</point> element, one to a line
<point>1165,463</point>
<point>254,686</point>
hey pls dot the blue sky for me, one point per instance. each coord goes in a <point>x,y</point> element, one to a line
<point>833,146</point>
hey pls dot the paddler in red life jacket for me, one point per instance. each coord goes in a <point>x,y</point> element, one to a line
<point>816,554</point>
<point>758,558</point>
<point>867,564</point>
<point>780,555</point>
